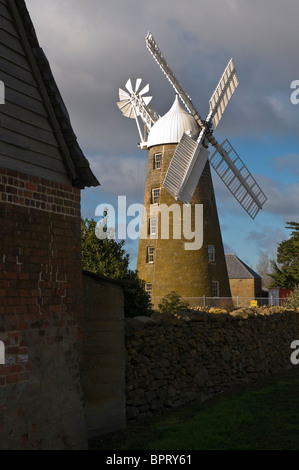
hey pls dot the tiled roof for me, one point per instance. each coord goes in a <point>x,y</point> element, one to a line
<point>237,269</point>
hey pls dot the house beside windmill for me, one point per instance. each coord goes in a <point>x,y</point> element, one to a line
<point>42,173</point>
<point>244,281</point>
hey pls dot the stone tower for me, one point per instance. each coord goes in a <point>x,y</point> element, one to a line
<point>170,264</point>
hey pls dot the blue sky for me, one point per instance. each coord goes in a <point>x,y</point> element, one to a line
<point>94,46</point>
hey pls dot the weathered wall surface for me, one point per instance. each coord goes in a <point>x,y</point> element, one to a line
<point>187,272</point>
<point>41,402</point>
<point>249,288</point>
<point>104,355</point>
<point>172,361</point>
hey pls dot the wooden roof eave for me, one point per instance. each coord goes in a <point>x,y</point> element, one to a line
<point>73,158</point>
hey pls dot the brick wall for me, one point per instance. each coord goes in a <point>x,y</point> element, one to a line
<point>40,309</point>
<point>34,192</point>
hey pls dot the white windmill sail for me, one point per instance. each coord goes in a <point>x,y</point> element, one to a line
<point>223,93</point>
<point>237,178</point>
<point>186,164</point>
<point>190,157</point>
<point>160,59</point>
<point>184,168</point>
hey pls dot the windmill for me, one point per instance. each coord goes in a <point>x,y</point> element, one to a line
<point>133,104</point>
<point>191,156</point>
<point>179,171</point>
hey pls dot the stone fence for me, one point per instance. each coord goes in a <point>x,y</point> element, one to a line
<point>173,360</point>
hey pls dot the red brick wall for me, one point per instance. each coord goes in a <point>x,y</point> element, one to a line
<point>40,309</point>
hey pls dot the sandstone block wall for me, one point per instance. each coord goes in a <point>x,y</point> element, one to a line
<point>174,360</point>
<point>247,288</point>
<point>187,272</point>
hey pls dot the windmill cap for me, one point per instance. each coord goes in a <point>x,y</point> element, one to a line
<point>170,128</point>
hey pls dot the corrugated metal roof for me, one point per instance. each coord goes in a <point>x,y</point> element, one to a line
<point>170,128</point>
<point>237,269</point>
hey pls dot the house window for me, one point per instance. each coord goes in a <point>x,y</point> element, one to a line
<point>153,226</point>
<point>148,288</point>
<point>211,252</point>
<point>215,288</point>
<point>150,254</point>
<point>155,195</point>
<point>157,161</point>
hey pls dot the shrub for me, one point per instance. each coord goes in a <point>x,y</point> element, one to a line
<point>171,303</point>
<point>292,300</point>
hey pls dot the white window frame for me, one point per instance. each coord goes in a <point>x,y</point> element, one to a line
<point>155,195</point>
<point>215,289</point>
<point>153,227</point>
<point>148,288</point>
<point>158,164</point>
<point>150,254</point>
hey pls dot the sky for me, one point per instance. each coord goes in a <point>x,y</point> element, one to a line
<point>95,46</point>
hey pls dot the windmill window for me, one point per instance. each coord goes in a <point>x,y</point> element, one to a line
<point>153,226</point>
<point>150,254</point>
<point>155,195</point>
<point>157,161</point>
<point>211,252</point>
<point>215,288</point>
<point>148,288</point>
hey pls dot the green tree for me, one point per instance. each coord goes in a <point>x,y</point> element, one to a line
<point>286,269</point>
<point>109,258</point>
<point>172,303</point>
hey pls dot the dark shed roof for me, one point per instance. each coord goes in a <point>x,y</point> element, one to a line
<point>75,161</point>
<point>237,269</point>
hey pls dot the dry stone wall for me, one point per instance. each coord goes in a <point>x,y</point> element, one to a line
<point>172,360</point>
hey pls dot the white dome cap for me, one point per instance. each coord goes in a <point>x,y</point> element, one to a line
<point>170,128</point>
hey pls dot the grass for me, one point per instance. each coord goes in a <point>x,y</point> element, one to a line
<point>265,418</point>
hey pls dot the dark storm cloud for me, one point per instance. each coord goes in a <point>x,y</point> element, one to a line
<point>95,46</point>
